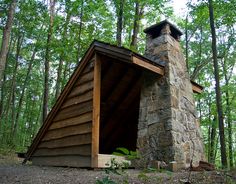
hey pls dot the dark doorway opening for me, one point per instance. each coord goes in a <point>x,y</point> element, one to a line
<point>120,97</point>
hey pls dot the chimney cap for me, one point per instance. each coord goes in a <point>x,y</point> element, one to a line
<point>155,29</point>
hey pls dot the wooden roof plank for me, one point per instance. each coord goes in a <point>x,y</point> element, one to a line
<point>140,62</point>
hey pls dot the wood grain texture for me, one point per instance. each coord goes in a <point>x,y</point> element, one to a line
<point>73,111</point>
<point>67,131</point>
<point>157,69</point>
<point>81,89</point>
<point>78,99</point>
<point>96,110</point>
<point>83,150</point>
<point>83,118</point>
<point>72,161</point>
<point>67,141</point>
<point>85,78</point>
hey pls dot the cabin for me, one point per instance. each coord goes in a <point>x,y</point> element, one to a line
<point>118,98</point>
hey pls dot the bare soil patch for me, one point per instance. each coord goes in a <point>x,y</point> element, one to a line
<point>12,171</point>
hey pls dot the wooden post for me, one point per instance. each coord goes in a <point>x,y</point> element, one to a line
<point>96,110</point>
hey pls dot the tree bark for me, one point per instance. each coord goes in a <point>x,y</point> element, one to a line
<point>137,18</point>
<point>47,60</point>
<point>217,87</point>
<point>120,16</point>
<point>25,84</point>
<point>212,142</point>
<point>6,37</point>
<point>80,30</point>
<point>13,88</point>
<point>62,57</point>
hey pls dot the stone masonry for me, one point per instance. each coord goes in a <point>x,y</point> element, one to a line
<point>168,129</point>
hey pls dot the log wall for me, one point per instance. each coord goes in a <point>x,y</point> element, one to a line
<point>68,140</point>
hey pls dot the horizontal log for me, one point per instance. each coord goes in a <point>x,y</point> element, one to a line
<point>71,161</point>
<point>84,118</point>
<point>87,77</point>
<point>67,131</point>
<point>67,141</point>
<point>78,99</point>
<point>73,111</point>
<point>89,67</point>
<point>78,90</point>
<point>83,150</point>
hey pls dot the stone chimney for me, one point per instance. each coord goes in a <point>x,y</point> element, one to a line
<point>168,129</point>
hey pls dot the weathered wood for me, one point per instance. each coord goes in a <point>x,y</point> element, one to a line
<point>74,110</point>
<point>72,161</point>
<point>157,69</point>
<point>84,118</point>
<point>84,78</point>
<point>67,141</point>
<point>78,90</point>
<point>196,88</point>
<point>83,150</point>
<point>78,99</point>
<point>67,131</point>
<point>89,67</point>
<point>96,110</point>
<point>104,160</point>
<point>69,86</point>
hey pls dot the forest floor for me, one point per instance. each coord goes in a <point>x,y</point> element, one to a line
<point>12,171</point>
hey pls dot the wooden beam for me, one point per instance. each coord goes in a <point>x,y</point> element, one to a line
<point>104,160</point>
<point>196,88</point>
<point>157,69</point>
<point>96,110</point>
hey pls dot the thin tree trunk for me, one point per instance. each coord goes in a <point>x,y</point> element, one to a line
<point>217,88</point>
<point>80,30</point>
<point>6,38</point>
<point>120,22</point>
<point>212,145</point>
<point>13,88</point>
<point>137,18</point>
<point>229,123</point>
<point>2,87</point>
<point>25,84</point>
<point>62,56</point>
<point>46,63</point>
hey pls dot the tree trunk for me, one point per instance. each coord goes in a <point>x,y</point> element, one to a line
<point>62,57</point>
<point>6,38</point>
<point>120,22</point>
<point>3,82</point>
<point>47,59</point>
<point>25,84</point>
<point>212,142</point>
<point>13,105</point>
<point>137,18</point>
<point>217,88</point>
<point>80,30</point>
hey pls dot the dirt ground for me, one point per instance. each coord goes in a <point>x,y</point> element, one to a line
<point>11,171</point>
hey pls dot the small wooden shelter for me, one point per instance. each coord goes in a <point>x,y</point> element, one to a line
<point>97,111</point>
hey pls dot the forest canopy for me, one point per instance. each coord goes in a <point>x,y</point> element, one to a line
<point>42,41</point>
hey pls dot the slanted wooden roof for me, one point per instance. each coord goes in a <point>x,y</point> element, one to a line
<point>118,53</point>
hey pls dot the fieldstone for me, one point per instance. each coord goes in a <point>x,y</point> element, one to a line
<point>167,120</point>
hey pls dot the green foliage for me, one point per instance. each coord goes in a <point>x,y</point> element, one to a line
<point>98,21</point>
<point>130,155</point>
<point>105,180</point>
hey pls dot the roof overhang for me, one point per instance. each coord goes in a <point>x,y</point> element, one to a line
<point>196,87</point>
